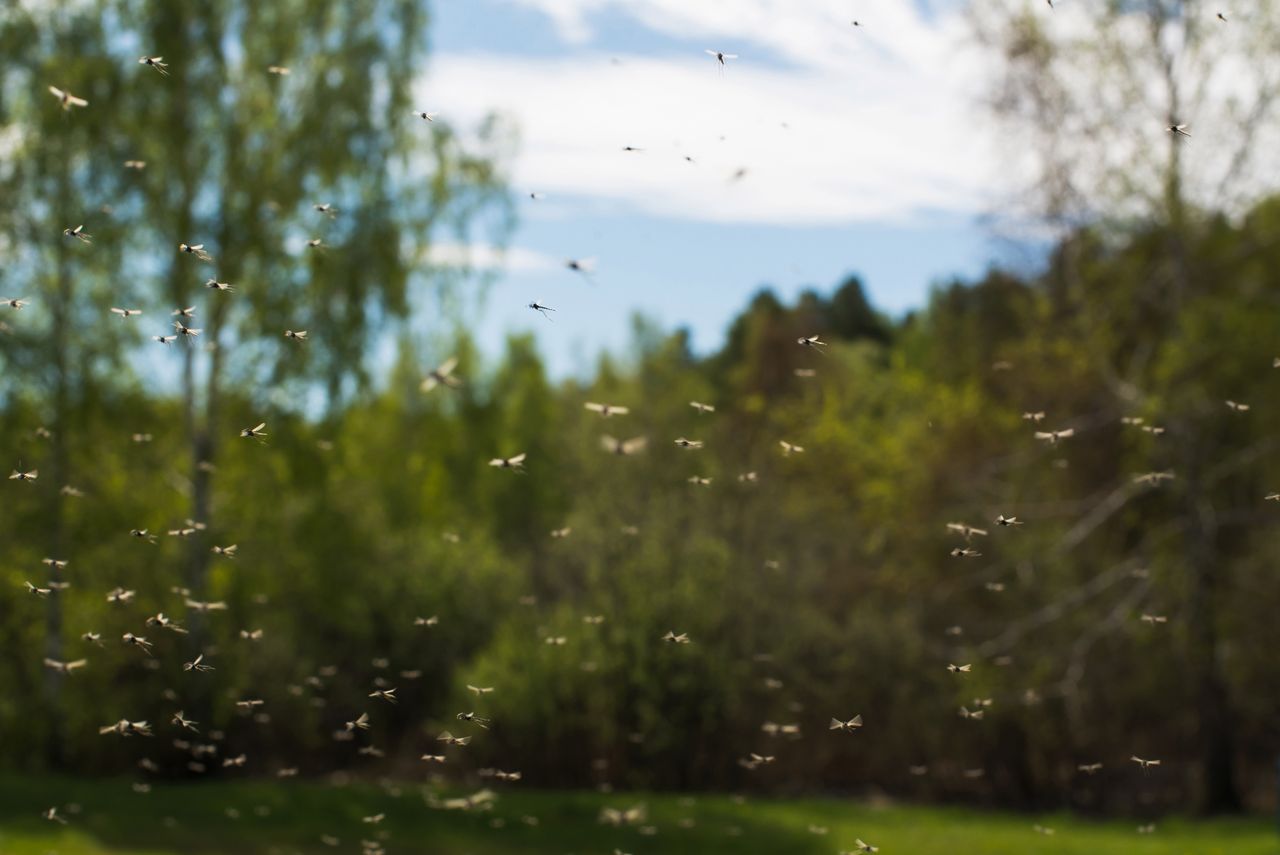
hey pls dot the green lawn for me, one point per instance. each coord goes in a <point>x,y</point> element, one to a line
<point>269,818</point>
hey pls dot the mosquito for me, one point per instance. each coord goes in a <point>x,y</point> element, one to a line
<point>606,410</point>
<point>584,266</point>
<point>847,726</point>
<point>156,62</point>
<point>442,376</point>
<point>79,234</point>
<point>66,99</point>
<point>721,57</point>
<point>196,249</point>
<point>515,463</point>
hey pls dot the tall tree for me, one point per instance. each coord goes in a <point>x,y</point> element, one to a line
<point>1148,111</point>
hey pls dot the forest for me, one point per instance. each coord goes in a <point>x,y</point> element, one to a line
<point>1025,533</point>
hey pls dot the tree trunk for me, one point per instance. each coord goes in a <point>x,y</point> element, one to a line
<point>59,470</point>
<point>1218,792</point>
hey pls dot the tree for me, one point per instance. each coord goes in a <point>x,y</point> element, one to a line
<point>234,156</point>
<point>1094,88</point>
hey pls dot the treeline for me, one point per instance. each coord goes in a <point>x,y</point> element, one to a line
<point>1124,616</point>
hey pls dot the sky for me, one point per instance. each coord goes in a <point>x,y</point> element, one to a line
<point>824,149</point>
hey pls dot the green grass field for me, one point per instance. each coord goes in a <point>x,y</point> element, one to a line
<point>265,818</point>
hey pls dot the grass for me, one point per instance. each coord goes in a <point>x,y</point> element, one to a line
<point>270,818</point>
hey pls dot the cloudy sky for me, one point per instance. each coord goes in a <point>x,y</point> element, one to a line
<point>858,148</point>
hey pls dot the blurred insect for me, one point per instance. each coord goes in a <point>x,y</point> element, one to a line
<point>361,722</point>
<point>66,99</point>
<point>17,304</point>
<point>184,723</point>
<point>1052,437</point>
<point>672,638</point>
<point>689,443</point>
<point>584,266</point>
<point>449,739</point>
<point>1089,768</point>
<point>215,285</point>
<point>19,475</point>
<point>1145,764</point>
<point>164,622</point>
<point>425,116</point>
<point>257,432</point>
<point>789,449</point>
<point>1178,131</point>
<point>185,331</point>
<point>196,249</point>
<point>959,669</point>
<point>197,665</point>
<point>155,62</point>
<point>137,641</point>
<point>225,551</point>
<point>813,341</point>
<point>721,56</point>
<point>52,816</point>
<point>623,447</point>
<point>119,596</point>
<point>125,313</point>
<point>1002,520</point>
<point>539,307</point>
<point>966,531</point>
<point>848,726</point>
<point>606,410</point>
<point>515,463</point>
<point>473,719</point>
<point>79,234</point>
<point>65,667</point>
<point>124,727</point>
<point>442,376</point>
<point>388,695</point>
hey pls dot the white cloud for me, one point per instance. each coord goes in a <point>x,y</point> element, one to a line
<point>832,123</point>
<point>480,256</point>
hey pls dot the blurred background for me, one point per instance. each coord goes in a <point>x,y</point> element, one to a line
<point>977,205</point>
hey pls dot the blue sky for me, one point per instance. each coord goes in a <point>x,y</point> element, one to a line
<point>847,137</point>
